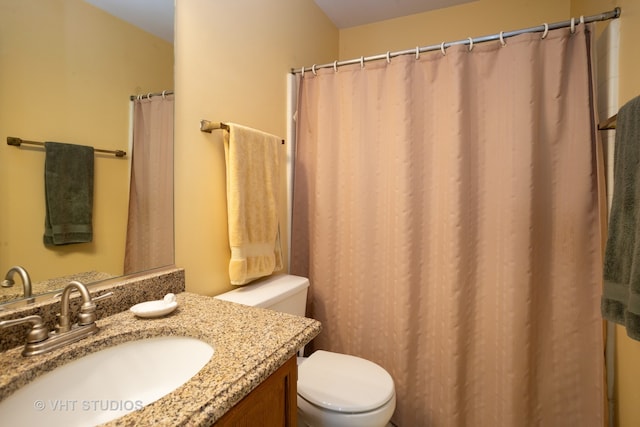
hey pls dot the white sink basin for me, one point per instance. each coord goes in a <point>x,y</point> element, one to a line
<point>108,384</point>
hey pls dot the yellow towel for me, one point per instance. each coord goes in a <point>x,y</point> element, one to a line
<point>253,171</point>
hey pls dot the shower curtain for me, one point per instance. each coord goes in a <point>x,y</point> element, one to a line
<point>150,239</point>
<point>446,211</point>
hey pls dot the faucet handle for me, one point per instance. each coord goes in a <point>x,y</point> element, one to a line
<point>87,314</point>
<point>38,331</point>
<point>101,297</point>
<point>75,293</point>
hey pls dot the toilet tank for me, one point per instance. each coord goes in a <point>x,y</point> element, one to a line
<point>282,292</point>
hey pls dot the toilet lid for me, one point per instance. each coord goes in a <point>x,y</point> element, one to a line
<point>344,383</point>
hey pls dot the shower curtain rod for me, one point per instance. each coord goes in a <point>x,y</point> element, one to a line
<point>613,14</point>
<point>149,95</point>
<point>17,142</point>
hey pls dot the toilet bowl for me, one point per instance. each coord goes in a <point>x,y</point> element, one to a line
<point>339,390</point>
<point>334,390</point>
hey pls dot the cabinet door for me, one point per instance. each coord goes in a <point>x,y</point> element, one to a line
<point>272,404</point>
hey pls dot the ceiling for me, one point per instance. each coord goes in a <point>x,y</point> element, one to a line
<point>349,13</point>
<point>156,16</point>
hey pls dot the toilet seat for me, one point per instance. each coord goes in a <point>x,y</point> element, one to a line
<point>343,383</point>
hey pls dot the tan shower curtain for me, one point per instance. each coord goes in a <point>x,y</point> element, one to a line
<point>446,212</point>
<point>150,227</point>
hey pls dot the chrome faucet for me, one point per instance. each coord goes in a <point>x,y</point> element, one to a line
<point>40,341</point>
<point>26,280</point>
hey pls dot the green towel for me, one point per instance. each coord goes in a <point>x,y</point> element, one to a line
<point>621,293</point>
<point>68,184</point>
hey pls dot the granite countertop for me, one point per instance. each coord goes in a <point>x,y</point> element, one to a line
<point>249,345</point>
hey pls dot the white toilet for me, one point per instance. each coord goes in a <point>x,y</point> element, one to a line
<point>334,390</point>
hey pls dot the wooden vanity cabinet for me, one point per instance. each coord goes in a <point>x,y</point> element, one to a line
<point>272,404</point>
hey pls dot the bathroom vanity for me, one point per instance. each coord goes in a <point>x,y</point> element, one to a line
<point>272,403</point>
<point>251,373</point>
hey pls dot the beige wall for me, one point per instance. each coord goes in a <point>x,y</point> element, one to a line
<point>627,379</point>
<point>232,59</point>
<point>454,23</point>
<point>66,72</point>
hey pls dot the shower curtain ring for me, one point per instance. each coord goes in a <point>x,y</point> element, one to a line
<point>417,52</point>
<point>163,94</point>
<point>388,57</point>
<point>573,25</point>
<point>302,72</point>
<point>582,19</point>
<point>335,65</point>
<point>502,42</point>
<point>470,44</point>
<point>361,62</point>
<point>442,49</point>
<point>546,31</point>
<point>313,70</point>
<point>149,95</point>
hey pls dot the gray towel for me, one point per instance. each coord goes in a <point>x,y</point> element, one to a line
<point>621,294</point>
<point>68,183</point>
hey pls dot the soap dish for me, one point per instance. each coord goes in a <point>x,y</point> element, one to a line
<point>155,308</point>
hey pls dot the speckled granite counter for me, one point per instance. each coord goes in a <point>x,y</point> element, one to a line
<point>130,290</point>
<point>250,344</point>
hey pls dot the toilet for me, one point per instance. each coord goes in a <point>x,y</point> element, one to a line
<point>334,390</point>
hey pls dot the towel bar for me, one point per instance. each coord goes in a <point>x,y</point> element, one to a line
<point>16,142</point>
<point>208,126</point>
<point>608,124</point>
